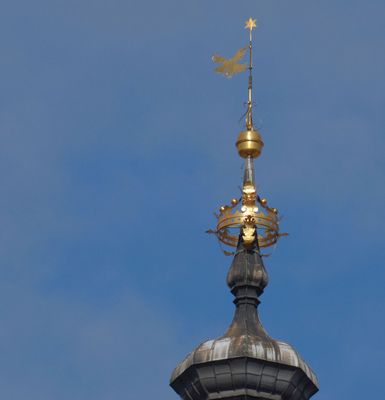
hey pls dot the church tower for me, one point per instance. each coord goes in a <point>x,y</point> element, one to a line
<point>245,363</point>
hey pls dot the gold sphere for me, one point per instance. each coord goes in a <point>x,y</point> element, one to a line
<point>264,202</point>
<point>234,202</point>
<point>275,210</point>
<point>249,144</point>
<point>223,208</point>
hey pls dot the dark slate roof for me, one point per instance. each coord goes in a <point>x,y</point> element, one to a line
<point>245,346</point>
<point>290,378</point>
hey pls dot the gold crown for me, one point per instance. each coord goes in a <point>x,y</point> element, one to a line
<point>251,216</point>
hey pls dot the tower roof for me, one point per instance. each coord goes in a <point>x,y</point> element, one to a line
<point>245,363</point>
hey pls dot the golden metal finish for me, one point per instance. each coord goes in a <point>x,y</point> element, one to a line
<point>251,217</point>
<point>248,219</point>
<point>249,144</point>
<point>248,231</point>
<point>251,23</point>
<point>230,66</point>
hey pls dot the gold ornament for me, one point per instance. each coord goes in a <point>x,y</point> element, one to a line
<point>251,23</point>
<point>230,66</point>
<point>232,219</point>
<point>251,218</point>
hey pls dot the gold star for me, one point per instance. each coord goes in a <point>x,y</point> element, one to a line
<point>251,23</point>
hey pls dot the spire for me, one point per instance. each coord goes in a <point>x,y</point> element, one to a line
<point>250,24</point>
<point>245,363</point>
<point>251,216</point>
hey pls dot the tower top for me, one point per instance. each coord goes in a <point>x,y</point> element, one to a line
<point>251,213</point>
<point>245,363</point>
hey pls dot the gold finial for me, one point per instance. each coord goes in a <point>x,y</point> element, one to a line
<point>249,142</point>
<point>251,23</point>
<point>257,222</point>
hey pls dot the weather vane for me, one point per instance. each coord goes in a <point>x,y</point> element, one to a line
<point>250,215</point>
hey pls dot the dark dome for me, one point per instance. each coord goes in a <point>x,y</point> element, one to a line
<point>249,346</point>
<point>245,363</point>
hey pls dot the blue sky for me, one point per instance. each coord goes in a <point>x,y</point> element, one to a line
<point>116,146</point>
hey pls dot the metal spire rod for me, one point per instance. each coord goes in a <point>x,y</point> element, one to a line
<point>248,176</point>
<point>250,24</point>
<point>249,167</point>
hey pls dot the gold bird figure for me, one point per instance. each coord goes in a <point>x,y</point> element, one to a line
<point>230,67</point>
